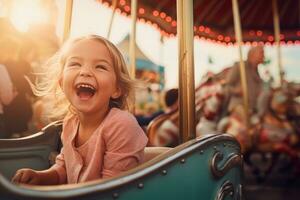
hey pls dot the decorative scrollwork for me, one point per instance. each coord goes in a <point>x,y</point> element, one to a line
<point>233,160</point>
<point>227,188</point>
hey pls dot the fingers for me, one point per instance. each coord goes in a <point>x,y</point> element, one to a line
<point>33,180</point>
<point>17,176</point>
<point>26,176</point>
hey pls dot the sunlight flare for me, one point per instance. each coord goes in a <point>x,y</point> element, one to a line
<point>27,12</point>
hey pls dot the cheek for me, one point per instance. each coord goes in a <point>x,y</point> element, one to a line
<point>112,80</point>
<point>65,82</point>
<point>67,75</point>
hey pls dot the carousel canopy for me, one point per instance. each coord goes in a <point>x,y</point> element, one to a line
<point>213,19</point>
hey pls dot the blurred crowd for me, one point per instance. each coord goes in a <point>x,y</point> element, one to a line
<point>21,112</point>
<point>15,59</point>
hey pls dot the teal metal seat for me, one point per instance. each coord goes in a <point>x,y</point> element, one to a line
<point>37,151</point>
<point>207,168</point>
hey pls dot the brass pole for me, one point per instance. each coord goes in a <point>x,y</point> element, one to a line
<point>132,37</point>
<point>68,19</point>
<point>277,38</point>
<point>186,69</point>
<point>238,35</point>
<point>114,5</point>
<point>132,44</point>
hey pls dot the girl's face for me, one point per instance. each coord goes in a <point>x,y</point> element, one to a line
<point>89,79</point>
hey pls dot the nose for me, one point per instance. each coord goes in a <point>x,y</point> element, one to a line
<point>85,71</point>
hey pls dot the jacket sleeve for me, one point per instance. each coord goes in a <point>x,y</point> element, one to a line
<point>60,167</point>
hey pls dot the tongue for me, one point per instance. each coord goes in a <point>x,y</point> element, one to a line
<point>84,95</point>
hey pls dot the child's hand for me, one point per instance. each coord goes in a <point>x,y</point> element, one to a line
<point>26,176</point>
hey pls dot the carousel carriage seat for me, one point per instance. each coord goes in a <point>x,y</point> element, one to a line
<point>39,150</point>
<point>152,152</point>
<point>209,167</point>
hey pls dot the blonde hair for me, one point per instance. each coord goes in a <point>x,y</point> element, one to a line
<point>49,82</point>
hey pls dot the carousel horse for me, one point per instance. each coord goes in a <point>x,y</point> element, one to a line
<point>210,98</point>
<point>275,129</point>
<point>235,124</point>
<point>294,106</point>
<point>273,135</point>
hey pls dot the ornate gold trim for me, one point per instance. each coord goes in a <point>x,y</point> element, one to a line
<point>233,160</point>
<point>227,188</point>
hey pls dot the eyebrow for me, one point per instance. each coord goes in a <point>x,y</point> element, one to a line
<point>102,60</point>
<point>96,60</point>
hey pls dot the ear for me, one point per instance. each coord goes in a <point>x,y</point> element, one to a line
<point>117,93</point>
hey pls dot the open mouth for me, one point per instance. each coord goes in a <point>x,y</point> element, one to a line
<point>85,91</point>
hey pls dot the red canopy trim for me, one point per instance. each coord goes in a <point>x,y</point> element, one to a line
<point>161,14</point>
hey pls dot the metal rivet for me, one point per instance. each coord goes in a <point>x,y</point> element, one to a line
<point>140,185</point>
<point>115,195</point>
<point>182,160</point>
<point>164,172</point>
<point>215,147</point>
<point>231,193</point>
<point>201,152</point>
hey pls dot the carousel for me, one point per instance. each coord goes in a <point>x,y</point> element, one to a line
<point>208,166</point>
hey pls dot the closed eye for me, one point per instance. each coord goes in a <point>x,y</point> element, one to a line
<point>101,67</point>
<point>74,64</point>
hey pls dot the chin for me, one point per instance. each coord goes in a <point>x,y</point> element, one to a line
<point>83,110</point>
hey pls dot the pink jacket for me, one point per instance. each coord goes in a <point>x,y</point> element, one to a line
<point>116,146</point>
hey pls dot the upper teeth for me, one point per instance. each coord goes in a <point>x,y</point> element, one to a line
<point>85,85</point>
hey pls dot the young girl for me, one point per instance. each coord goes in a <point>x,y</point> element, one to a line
<point>100,139</point>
